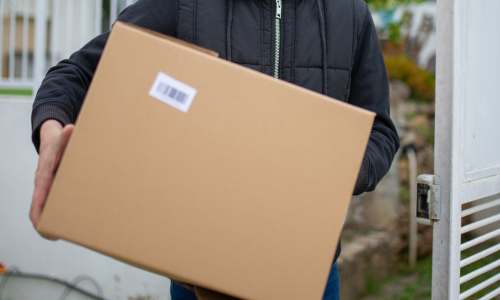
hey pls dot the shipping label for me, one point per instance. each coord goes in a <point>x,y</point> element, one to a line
<point>173,92</point>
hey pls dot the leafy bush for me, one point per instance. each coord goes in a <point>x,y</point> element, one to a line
<point>421,82</point>
<point>385,4</point>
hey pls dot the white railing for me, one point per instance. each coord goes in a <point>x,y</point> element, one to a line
<point>485,216</point>
<point>37,34</point>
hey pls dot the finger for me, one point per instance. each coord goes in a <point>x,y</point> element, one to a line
<point>37,205</point>
<point>45,174</point>
<point>42,183</point>
<point>36,212</point>
<point>49,238</point>
<point>60,147</point>
<point>43,180</point>
<point>66,133</point>
<point>62,142</point>
<point>46,181</point>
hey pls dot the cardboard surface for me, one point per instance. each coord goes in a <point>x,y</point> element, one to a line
<point>204,294</point>
<point>245,194</point>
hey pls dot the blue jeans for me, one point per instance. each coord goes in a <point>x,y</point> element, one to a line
<point>332,289</point>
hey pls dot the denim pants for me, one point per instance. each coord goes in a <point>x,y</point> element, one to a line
<point>332,289</point>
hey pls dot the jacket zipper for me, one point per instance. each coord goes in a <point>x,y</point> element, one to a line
<point>277,41</point>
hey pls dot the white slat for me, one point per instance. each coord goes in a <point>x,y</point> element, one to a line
<point>2,5</point>
<point>479,255</point>
<point>479,287</point>
<point>491,294</point>
<point>24,72</point>
<point>480,239</point>
<point>479,271</point>
<point>83,26</point>
<point>479,224</point>
<point>98,17</point>
<point>54,28</point>
<point>12,39</point>
<point>69,24</point>
<point>40,64</point>
<point>478,189</point>
<point>480,207</point>
<point>114,12</point>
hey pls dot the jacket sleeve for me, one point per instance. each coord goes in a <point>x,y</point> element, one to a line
<point>63,90</point>
<point>370,90</point>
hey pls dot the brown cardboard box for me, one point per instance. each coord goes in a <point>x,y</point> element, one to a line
<point>239,183</point>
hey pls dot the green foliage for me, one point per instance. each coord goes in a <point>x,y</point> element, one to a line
<point>404,194</point>
<point>410,116</point>
<point>393,32</point>
<point>16,92</point>
<point>421,82</point>
<point>376,5</point>
<point>373,285</point>
<point>427,132</point>
<point>406,284</point>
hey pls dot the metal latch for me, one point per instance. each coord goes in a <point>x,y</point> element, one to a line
<point>428,199</point>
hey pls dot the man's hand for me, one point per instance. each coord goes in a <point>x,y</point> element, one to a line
<point>53,141</point>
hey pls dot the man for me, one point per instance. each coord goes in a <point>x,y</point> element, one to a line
<point>328,46</point>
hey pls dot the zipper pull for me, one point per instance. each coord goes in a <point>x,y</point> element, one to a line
<point>278,9</point>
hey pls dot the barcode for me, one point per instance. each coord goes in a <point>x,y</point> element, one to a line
<point>171,92</point>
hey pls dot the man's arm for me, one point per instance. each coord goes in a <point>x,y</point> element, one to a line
<point>61,94</point>
<point>370,90</point>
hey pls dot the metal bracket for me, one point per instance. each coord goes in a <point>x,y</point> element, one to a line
<point>428,199</point>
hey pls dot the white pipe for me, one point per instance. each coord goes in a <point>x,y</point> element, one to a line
<point>479,287</point>
<point>130,2</point>
<point>480,207</point>
<point>412,236</point>
<point>480,239</point>
<point>479,224</point>
<point>480,271</point>
<point>478,256</point>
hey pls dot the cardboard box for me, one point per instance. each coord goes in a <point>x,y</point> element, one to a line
<point>240,185</point>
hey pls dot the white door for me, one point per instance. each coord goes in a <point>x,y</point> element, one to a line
<point>467,158</point>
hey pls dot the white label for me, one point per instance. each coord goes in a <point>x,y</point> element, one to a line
<point>173,92</point>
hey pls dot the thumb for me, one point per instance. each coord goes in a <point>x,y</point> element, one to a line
<point>67,132</point>
<point>62,143</point>
<point>64,138</point>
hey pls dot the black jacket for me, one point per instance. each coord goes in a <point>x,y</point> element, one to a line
<point>328,46</point>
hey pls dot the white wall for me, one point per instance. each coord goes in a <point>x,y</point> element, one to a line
<point>21,246</point>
